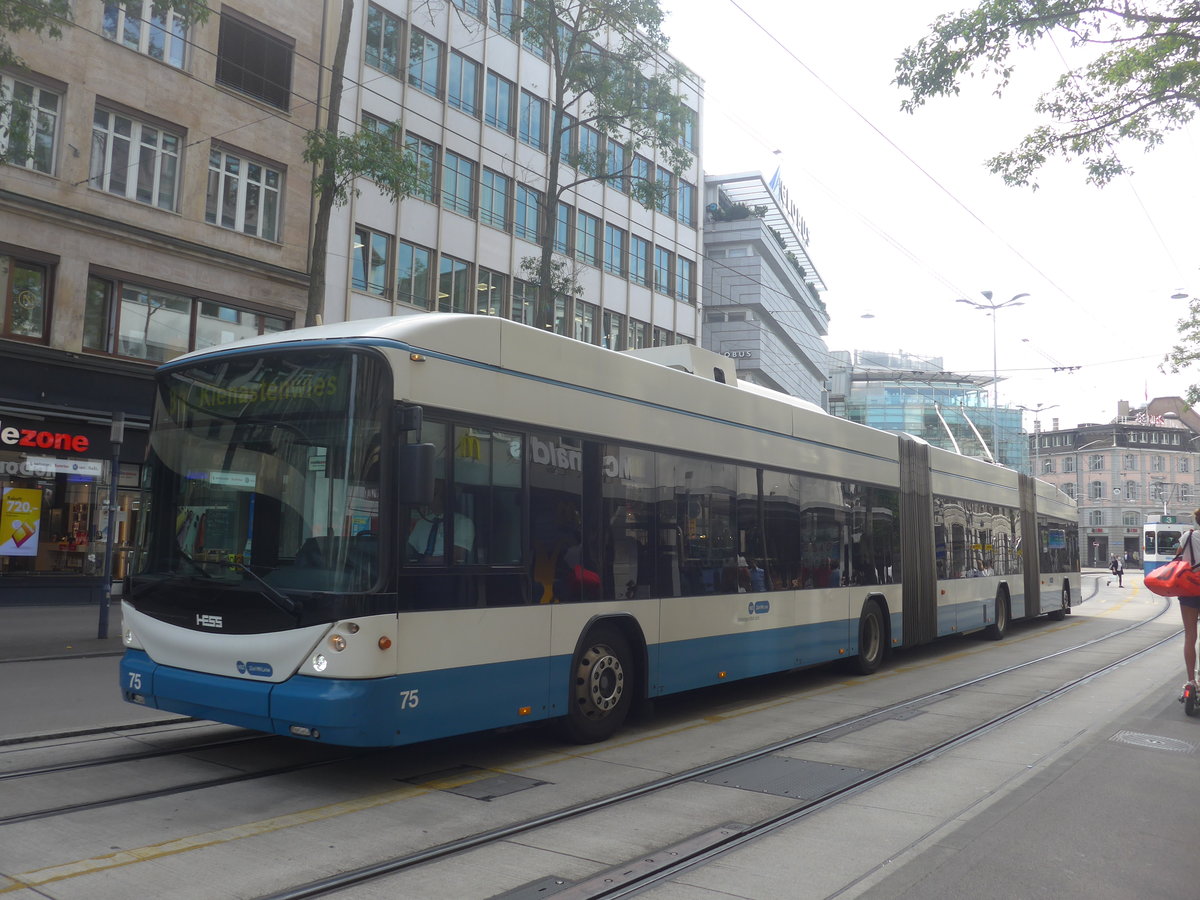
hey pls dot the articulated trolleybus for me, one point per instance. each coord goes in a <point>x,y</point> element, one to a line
<point>387,531</point>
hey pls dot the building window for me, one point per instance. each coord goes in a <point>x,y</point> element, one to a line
<point>1096,490</point>
<point>454,285</point>
<point>662,270</point>
<point>495,191</point>
<point>684,339</point>
<point>639,176</point>
<point>491,293</point>
<point>685,279</point>
<point>26,288</point>
<point>532,41</point>
<point>589,159</point>
<point>470,7</point>
<point>1157,491</point>
<point>243,194</point>
<point>501,14</point>
<point>376,125</point>
<point>614,249</point>
<point>686,211</point>
<point>1096,517</point>
<point>134,160</point>
<point>458,183</point>
<point>586,315</point>
<point>638,335</point>
<point>424,153</point>
<point>425,63</point>
<point>413,281</point>
<point>162,36</point>
<point>618,177</point>
<point>383,40</point>
<point>253,62</point>
<point>687,130</point>
<point>1095,463</point>
<point>29,124</point>
<point>524,303</point>
<point>639,260</point>
<point>1184,464</point>
<point>1047,467</point>
<point>661,337</point>
<point>1131,519</point>
<point>562,227</point>
<point>1185,494</point>
<point>1130,462</point>
<point>666,194</point>
<point>463,90</point>
<point>614,328</point>
<point>372,262</point>
<point>498,103</point>
<point>532,121</point>
<point>1157,464</point>
<point>1131,490</point>
<point>587,238</point>
<point>1068,464</point>
<point>1069,490</point>
<point>525,222</point>
<point>156,325</point>
<point>566,145</point>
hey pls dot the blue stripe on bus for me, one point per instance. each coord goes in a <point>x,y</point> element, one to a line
<point>404,709</point>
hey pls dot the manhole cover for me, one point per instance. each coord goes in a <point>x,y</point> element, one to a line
<point>1152,742</point>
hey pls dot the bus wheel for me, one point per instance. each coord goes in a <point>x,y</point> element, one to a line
<point>870,639</point>
<point>1061,613</point>
<point>601,687</point>
<point>999,626</point>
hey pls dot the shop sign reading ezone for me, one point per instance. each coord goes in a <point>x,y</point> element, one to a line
<point>43,440</point>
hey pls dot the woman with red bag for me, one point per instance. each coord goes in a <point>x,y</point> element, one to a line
<point>1189,608</point>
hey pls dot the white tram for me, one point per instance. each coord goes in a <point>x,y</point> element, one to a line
<point>387,531</point>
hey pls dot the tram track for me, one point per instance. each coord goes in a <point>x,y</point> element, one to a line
<point>720,840</point>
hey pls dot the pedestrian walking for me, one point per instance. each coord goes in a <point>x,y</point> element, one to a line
<point>1117,568</point>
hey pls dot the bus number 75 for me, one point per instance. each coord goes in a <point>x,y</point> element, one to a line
<point>409,699</point>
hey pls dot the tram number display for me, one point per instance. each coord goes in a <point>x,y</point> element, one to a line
<point>410,699</point>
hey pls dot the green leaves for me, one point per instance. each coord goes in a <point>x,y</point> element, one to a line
<point>1143,84</point>
<point>364,154</point>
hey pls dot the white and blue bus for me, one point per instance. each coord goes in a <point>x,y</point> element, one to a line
<point>388,531</point>
<point>1160,541</point>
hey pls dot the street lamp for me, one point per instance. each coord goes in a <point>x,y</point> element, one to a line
<point>1037,432</point>
<point>991,309</point>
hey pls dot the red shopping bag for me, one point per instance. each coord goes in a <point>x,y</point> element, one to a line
<point>1175,579</point>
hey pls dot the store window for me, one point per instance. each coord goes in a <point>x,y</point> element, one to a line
<point>26,286</point>
<point>54,511</point>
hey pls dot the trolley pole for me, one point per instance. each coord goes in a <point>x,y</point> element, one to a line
<point>114,475</point>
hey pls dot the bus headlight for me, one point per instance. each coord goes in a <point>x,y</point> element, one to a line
<point>319,662</point>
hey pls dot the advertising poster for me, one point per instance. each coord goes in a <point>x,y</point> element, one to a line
<point>20,519</point>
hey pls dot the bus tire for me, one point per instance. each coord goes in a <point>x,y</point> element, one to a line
<point>871,639</point>
<point>999,626</point>
<point>601,687</point>
<point>1061,613</point>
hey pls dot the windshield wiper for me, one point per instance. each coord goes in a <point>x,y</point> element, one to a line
<point>277,597</point>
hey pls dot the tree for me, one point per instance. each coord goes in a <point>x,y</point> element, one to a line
<point>46,18</point>
<point>340,159</point>
<point>1186,353</point>
<point>1143,82</point>
<point>625,88</point>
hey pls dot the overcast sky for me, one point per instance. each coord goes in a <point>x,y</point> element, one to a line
<point>813,81</point>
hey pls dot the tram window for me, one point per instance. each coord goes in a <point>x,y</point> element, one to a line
<point>630,556</point>
<point>782,539</point>
<point>487,488</point>
<point>822,521</point>
<point>702,494</point>
<point>564,566</point>
<point>756,574</point>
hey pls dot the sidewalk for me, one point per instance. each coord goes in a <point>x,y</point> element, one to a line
<point>54,632</point>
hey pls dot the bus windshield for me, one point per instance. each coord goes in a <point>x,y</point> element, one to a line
<point>264,471</point>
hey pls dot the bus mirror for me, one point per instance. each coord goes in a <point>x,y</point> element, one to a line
<point>409,418</point>
<point>415,475</point>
